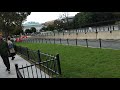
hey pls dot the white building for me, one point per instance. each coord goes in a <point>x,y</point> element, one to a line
<point>28,25</point>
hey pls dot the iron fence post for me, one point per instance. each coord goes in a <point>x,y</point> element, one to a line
<point>76,41</point>
<point>86,42</point>
<point>60,40</point>
<point>67,41</point>
<point>58,63</point>
<point>39,40</point>
<point>16,68</point>
<point>100,42</point>
<point>42,40</point>
<point>39,58</point>
<point>17,71</point>
<point>20,50</point>
<point>36,40</point>
<point>46,40</point>
<point>15,47</point>
<point>28,54</point>
<point>49,40</point>
<point>54,40</point>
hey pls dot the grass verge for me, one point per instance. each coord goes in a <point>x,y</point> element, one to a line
<point>82,62</point>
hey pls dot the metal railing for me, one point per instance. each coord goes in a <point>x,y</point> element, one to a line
<point>47,65</point>
<point>97,43</point>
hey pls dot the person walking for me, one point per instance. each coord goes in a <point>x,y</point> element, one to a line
<point>4,53</point>
<point>11,48</point>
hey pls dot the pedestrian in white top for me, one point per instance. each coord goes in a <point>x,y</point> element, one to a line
<point>11,48</point>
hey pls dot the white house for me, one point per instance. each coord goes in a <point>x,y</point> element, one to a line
<point>28,25</point>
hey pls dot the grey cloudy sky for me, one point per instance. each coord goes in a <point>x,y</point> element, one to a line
<point>42,17</point>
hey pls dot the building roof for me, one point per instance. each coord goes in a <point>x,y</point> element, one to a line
<point>31,24</point>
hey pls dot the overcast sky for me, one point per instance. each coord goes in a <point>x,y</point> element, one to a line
<point>42,17</point>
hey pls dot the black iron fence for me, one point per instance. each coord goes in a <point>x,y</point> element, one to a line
<point>47,65</point>
<point>97,43</point>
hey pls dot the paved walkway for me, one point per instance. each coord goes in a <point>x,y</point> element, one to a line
<point>18,60</point>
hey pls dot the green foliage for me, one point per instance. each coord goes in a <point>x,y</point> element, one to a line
<point>50,27</point>
<point>58,25</point>
<point>44,28</point>
<point>82,62</point>
<point>84,19</point>
<point>28,31</point>
<point>16,31</point>
<point>9,20</point>
<point>33,29</point>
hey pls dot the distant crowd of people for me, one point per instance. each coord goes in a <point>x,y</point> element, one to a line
<point>7,50</point>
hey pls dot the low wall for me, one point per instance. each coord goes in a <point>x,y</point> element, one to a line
<point>88,35</point>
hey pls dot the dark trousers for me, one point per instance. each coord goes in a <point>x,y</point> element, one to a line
<point>6,61</point>
<point>12,55</point>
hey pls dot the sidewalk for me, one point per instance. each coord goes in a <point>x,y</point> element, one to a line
<point>18,60</point>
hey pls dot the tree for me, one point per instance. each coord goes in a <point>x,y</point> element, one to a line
<point>28,31</point>
<point>50,27</point>
<point>64,17</point>
<point>85,19</point>
<point>44,28</point>
<point>33,29</point>
<point>16,31</point>
<point>67,21</point>
<point>9,20</point>
<point>58,24</point>
<point>75,22</point>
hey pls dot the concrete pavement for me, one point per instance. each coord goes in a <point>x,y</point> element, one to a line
<point>18,60</point>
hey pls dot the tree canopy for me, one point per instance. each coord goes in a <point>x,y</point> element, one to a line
<point>95,18</point>
<point>33,29</point>
<point>9,21</point>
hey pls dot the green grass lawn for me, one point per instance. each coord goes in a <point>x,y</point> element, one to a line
<point>82,62</point>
